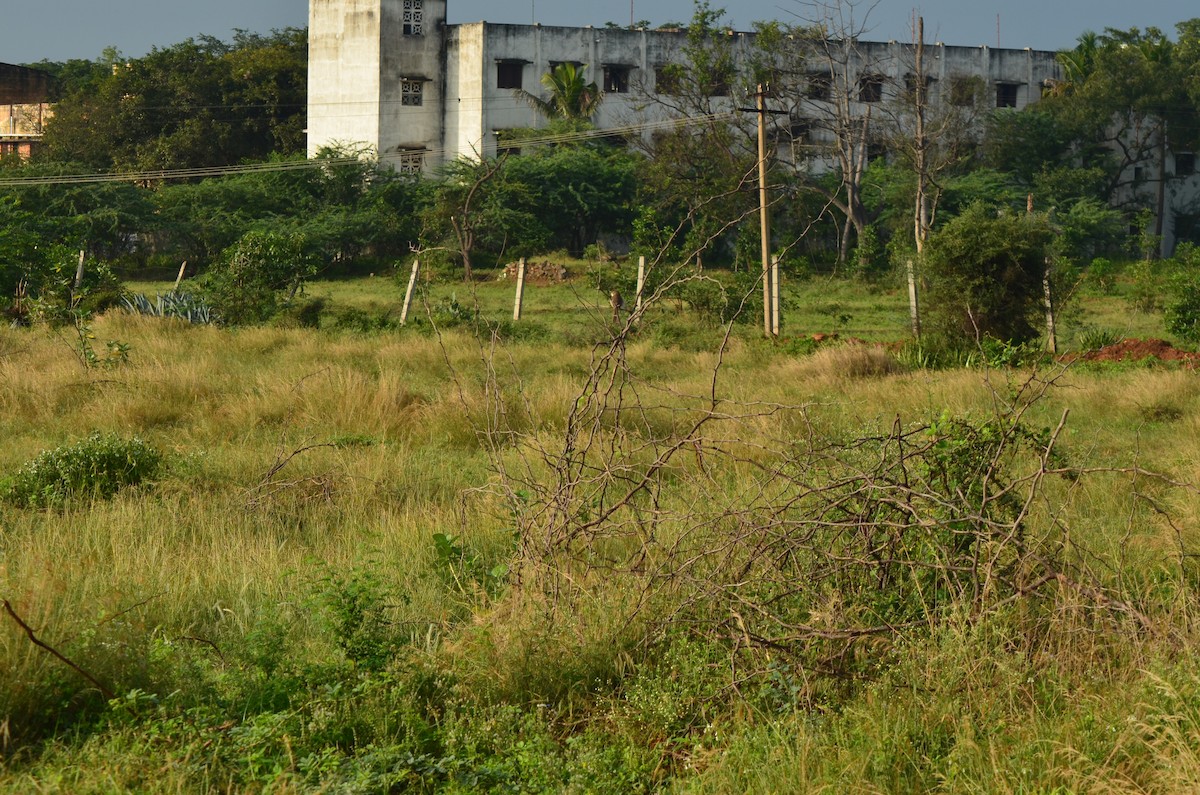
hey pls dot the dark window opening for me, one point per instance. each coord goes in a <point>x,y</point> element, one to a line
<point>820,85</point>
<point>1139,173</point>
<point>555,64</point>
<point>505,144</point>
<point>718,87</point>
<point>667,80</point>
<point>962,91</point>
<point>616,79</point>
<point>1185,164</point>
<point>508,74</point>
<point>1006,95</point>
<point>1187,228</point>
<point>910,86</point>
<point>870,88</point>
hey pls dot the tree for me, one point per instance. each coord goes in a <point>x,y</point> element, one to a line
<point>202,102</point>
<point>476,204</point>
<point>570,97</point>
<point>986,272</point>
<point>257,274</point>
<point>699,177</point>
<point>1127,93</point>
<point>578,190</point>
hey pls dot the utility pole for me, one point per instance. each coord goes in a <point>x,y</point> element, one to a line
<point>763,213</point>
<point>770,322</point>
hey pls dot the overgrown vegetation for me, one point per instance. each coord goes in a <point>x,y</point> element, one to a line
<point>613,546</point>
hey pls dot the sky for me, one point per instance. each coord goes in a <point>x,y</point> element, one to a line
<point>61,29</point>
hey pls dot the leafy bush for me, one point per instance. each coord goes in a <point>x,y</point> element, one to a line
<point>96,467</point>
<point>1182,316</point>
<point>986,271</point>
<point>257,275</point>
<point>1104,273</point>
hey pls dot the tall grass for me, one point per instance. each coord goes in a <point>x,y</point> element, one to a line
<point>308,474</point>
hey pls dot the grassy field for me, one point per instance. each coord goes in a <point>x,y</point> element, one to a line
<point>561,559</point>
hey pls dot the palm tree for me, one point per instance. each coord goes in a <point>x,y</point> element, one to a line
<point>570,97</point>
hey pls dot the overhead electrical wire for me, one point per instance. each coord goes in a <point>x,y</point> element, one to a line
<point>299,165</point>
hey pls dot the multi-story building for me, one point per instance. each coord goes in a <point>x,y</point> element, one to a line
<point>393,76</point>
<point>24,108</point>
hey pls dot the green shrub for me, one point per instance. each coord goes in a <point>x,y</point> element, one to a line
<point>1093,339</point>
<point>96,467</point>
<point>1182,315</point>
<point>1104,273</point>
<point>258,275</point>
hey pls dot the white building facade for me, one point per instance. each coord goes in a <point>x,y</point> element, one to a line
<point>393,76</point>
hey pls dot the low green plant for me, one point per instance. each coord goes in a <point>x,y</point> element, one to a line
<point>183,305</point>
<point>1182,313</point>
<point>114,354</point>
<point>1093,339</point>
<point>1104,273</point>
<point>96,467</point>
<point>356,603</point>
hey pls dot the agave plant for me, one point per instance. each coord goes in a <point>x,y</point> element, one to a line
<point>184,306</point>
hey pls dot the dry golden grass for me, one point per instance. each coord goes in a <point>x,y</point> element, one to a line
<point>398,425</point>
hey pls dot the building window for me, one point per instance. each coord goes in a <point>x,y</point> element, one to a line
<point>1139,173</point>
<point>962,91</point>
<point>411,92</point>
<point>870,88</point>
<point>555,64</point>
<point>1185,164</point>
<point>667,80</point>
<point>508,74</point>
<point>410,161</point>
<point>820,85</point>
<point>616,79</point>
<point>910,86</point>
<point>718,87</point>
<point>1006,95</point>
<point>412,21</point>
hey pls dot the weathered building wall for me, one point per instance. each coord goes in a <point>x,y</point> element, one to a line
<point>24,108</point>
<point>344,92</point>
<point>447,90</point>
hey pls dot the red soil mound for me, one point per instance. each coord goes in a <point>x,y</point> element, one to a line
<point>1135,350</point>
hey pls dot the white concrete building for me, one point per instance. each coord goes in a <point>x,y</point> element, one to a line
<point>392,75</point>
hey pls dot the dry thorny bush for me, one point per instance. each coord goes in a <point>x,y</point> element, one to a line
<point>740,522</point>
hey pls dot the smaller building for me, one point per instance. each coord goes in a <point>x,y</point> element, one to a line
<point>24,108</point>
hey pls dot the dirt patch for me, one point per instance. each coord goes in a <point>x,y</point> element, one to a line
<point>1136,350</point>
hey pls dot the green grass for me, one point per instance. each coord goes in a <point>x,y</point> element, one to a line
<point>344,576</point>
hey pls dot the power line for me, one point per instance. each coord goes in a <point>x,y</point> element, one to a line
<point>387,157</point>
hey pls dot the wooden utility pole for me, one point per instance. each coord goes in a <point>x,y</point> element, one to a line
<point>179,278</point>
<point>763,213</point>
<point>760,108</point>
<point>79,271</point>
<point>775,296</point>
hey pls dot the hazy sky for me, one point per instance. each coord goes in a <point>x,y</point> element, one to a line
<point>60,29</point>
